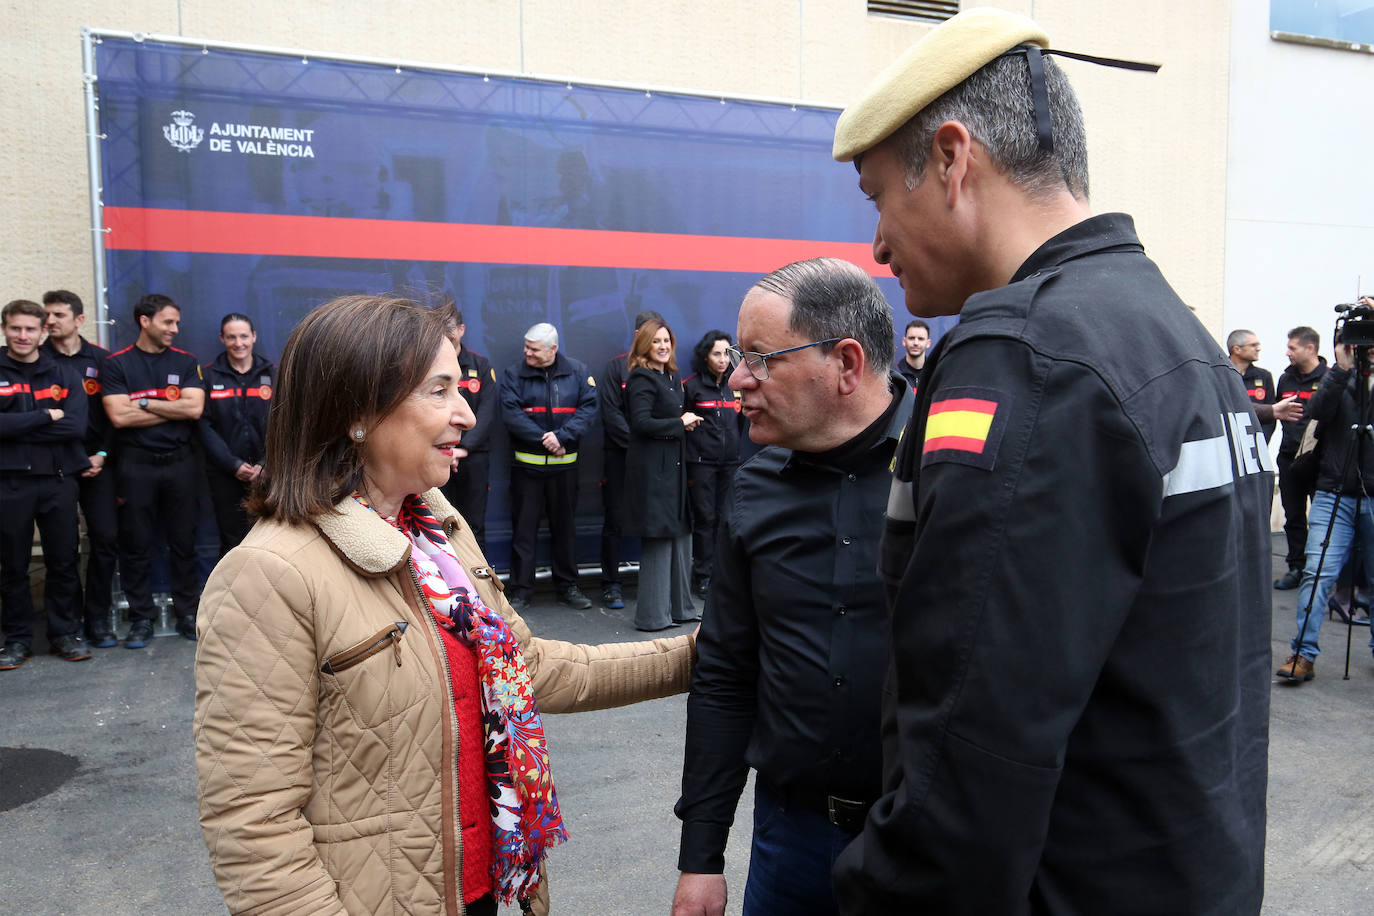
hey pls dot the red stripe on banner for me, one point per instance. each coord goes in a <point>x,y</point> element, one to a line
<point>153,229</point>
<point>959,443</point>
<point>977,405</point>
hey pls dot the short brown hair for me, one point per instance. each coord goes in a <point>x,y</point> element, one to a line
<point>23,307</point>
<point>350,362</point>
<point>643,343</point>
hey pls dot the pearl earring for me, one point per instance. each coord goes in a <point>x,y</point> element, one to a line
<point>358,434</point>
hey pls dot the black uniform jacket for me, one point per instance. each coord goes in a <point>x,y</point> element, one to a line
<point>912,376</point>
<point>1081,639</point>
<point>478,386</point>
<point>716,440</point>
<point>88,363</point>
<point>615,428</point>
<point>794,642</point>
<point>1259,385</point>
<point>655,470</point>
<point>233,427</point>
<point>1304,385</point>
<point>560,397</point>
<point>1334,408</point>
<point>31,442</point>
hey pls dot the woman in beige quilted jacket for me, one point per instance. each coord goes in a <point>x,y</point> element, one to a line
<point>367,738</point>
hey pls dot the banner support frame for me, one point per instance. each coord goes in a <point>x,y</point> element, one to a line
<point>89,38</point>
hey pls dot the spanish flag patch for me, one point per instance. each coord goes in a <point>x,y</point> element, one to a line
<point>964,426</point>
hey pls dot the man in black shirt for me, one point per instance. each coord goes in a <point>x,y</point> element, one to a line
<point>1244,348</point>
<point>915,343</point>
<point>793,646</point>
<point>96,484</point>
<point>1078,711</point>
<point>154,395</point>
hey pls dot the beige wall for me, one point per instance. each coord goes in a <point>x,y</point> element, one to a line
<point>1157,144</point>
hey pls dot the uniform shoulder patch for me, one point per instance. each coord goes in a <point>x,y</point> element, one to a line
<point>964,426</point>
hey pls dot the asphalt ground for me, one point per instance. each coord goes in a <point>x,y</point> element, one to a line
<point>98,809</point>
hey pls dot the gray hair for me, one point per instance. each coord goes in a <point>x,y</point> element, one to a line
<point>543,333</point>
<point>833,298</point>
<point>995,105</point>
<point>1238,338</point>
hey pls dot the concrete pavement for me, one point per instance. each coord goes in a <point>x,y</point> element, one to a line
<point>98,810</point>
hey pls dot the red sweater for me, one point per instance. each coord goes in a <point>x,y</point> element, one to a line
<point>474,802</point>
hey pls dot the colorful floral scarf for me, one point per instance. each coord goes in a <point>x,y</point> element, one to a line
<point>525,815</point>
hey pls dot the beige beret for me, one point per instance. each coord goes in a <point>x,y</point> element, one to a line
<point>951,53</point>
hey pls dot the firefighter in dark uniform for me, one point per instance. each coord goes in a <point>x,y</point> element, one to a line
<point>96,484</point>
<point>1297,484</point>
<point>712,448</point>
<point>615,442</point>
<point>233,428</point>
<point>154,395</point>
<point>1078,709</point>
<point>468,484</point>
<point>42,425</point>
<point>1243,347</point>
<point>548,403</point>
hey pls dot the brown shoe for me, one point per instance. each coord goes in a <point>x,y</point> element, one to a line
<point>1297,668</point>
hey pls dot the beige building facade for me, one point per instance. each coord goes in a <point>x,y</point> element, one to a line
<point>1157,144</point>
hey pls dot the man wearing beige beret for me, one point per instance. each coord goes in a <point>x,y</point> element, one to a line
<point>1077,542</point>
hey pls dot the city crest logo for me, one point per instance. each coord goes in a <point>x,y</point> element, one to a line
<point>183,133</point>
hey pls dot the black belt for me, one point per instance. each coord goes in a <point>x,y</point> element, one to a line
<point>147,456</point>
<point>846,813</point>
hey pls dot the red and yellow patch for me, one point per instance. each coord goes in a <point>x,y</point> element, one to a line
<point>964,425</point>
<point>172,393</point>
<point>92,386</point>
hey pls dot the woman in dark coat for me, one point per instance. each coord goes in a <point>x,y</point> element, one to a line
<point>656,478</point>
<point>712,448</point>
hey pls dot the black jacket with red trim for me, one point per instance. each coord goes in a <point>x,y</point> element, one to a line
<point>1259,385</point>
<point>478,386</point>
<point>561,398</point>
<point>615,427</point>
<point>233,427</point>
<point>716,440</point>
<point>1304,385</point>
<point>88,363</point>
<point>31,442</point>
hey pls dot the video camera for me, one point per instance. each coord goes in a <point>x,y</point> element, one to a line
<point>1355,326</point>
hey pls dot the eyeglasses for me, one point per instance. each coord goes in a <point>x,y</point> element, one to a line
<point>758,362</point>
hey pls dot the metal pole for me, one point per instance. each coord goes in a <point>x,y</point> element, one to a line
<point>93,137</point>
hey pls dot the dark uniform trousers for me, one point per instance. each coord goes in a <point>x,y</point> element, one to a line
<point>158,493</point>
<point>233,522</point>
<point>613,506</point>
<point>1294,492</point>
<point>97,496</point>
<point>49,500</point>
<point>467,490</point>
<point>707,486</point>
<point>535,493</point>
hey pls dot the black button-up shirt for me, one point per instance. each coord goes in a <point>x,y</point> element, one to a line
<point>794,646</point>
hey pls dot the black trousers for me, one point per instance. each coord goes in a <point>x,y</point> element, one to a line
<point>613,518</point>
<point>158,498</point>
<point>97,496</point>
<point>536,493</point>
<point>50,501</point>
<point>467,489</point>
<point>1294,492</point>
<point>227,494</point>
<point>707,487</point>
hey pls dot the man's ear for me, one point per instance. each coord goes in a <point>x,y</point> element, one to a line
<point>853,364</point>
<point>950,157</point>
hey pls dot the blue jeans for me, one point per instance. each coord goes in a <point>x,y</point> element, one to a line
<point>790,859</point>
<point>1342,541</point>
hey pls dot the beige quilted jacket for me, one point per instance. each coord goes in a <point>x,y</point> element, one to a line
<point>325,733</point>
